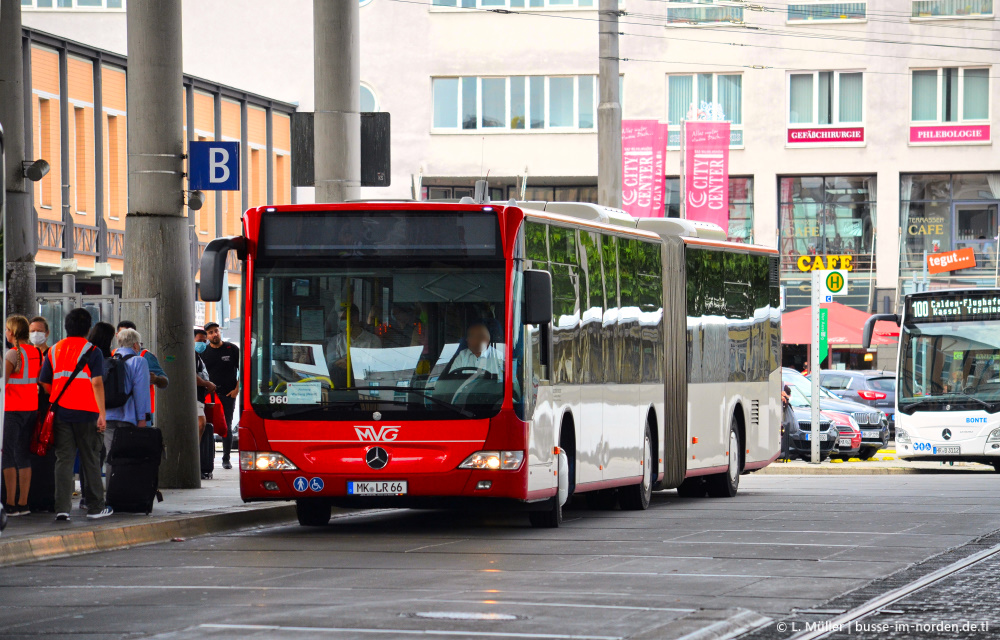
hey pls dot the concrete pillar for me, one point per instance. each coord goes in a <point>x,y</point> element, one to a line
<point>337,80</point>
<point>69,283</point>
<point>609,111</point>
<point>19,227</point>
<point>156,232</point>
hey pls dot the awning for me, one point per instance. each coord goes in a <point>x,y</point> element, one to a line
<point>844,327</point>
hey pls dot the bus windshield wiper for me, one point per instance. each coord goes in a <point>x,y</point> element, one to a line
<point>909,407</point>
<point>988,405</point>
<point>454,407</point>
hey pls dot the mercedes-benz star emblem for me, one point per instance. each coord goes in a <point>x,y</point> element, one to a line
<point>377,457</point>
<point>377,415</point>
<point>946,434</point>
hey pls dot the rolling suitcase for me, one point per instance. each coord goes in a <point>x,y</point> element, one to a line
<point>207,451</point>
<point>135,468</point>
<point>42,493</point>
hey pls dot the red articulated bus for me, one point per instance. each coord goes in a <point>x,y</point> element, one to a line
<point>419,354</point>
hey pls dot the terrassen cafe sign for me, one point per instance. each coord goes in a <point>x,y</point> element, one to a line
<point>822,263</point>
<point>951,260</point>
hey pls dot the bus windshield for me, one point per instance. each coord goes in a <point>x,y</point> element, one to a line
<point>379,313</point>
<point>953,362</point>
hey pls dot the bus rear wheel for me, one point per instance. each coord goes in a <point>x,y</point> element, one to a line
<point>312,513</point>
<point>636,497</point>
<point>726,484</point>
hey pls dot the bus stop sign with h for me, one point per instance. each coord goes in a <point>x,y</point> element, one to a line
<point>214,166</point>
<point>825,285</point>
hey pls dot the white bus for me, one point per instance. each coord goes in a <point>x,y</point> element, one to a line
<point>948,375</point>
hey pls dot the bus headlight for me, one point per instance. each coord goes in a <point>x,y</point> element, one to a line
<point>506,460</point>
<point>902,436</point>
<point>264,461</point>
<point>994,436</point>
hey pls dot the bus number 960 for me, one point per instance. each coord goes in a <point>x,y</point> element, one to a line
<point>278,399</point>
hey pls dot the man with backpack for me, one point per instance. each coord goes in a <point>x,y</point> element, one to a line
<point>157,378</point>
<point>72,375</point>
<point>126,386</point>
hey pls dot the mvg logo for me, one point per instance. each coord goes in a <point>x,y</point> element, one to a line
<point>368,433</point>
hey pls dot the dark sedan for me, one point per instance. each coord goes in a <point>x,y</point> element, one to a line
<point>873,423</point>
<point>796,440</point>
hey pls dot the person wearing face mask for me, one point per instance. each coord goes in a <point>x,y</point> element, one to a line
<point>21,367</point>
<point>479,352</point>
<point>204,387</point>
<point>38,334</point>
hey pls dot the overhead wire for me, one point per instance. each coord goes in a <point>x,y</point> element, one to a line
<point>729,29</point>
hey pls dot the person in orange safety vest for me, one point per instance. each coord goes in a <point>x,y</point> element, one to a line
<point>72,374</point>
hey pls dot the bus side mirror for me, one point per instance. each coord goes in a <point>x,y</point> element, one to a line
<point>537,296</point>
<point>213,265</point>
<point>866,336</point>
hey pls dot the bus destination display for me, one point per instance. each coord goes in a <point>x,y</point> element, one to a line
<point>954,308</point>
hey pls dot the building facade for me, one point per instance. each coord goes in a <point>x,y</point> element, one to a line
<point>76,111</point>
<point>859,130</point>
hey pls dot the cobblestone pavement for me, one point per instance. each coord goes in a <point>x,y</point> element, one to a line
<point>960,605</point>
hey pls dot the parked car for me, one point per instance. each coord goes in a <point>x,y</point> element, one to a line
<point>797,429</point>
<point>873,388</point>
<point>873,422</point>
<point>849,442</point>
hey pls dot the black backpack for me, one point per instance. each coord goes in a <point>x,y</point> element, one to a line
<point>116,392</point>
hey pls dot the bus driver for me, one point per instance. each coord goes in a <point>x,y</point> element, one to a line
<point>479,353</point>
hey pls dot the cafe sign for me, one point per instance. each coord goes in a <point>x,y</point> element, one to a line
<point>822,263</point>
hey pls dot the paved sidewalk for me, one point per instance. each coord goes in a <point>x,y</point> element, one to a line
<point>183,513</point>
<point>884,462</point>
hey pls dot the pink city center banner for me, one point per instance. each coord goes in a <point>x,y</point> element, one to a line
<point>706,172</point>
<point>644,145</point>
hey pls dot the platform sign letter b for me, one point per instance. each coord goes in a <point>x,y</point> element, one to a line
<point>214,166</point>
<point>218,171</point>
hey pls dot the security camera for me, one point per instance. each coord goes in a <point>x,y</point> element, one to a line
<point>196,200</point>
<point>36,170</point>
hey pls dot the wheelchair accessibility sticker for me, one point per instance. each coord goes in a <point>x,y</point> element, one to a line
<point>316,484</point>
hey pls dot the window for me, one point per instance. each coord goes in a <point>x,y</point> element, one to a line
<point>740,206</point>
<point>704,12</point>
<point>515,103</point>
<point>950,95</point>
<point>516,4</point>
<point>826,98</point>
<point>45,131</point>
<point>952,8</point>
<point>73,4</point>
<point>80,160</point>
<point>827,215</point>
<point>114,169</point>
<point>824,11</point>
<point>689,95</point>
<point>944,212</point>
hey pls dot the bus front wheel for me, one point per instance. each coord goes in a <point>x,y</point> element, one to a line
<point>313,513</point>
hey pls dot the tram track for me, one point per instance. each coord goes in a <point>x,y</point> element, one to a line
<point>863,612</point>
<point>875,605</point>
